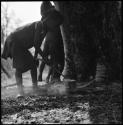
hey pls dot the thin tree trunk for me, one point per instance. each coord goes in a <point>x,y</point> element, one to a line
<point>69,68</point>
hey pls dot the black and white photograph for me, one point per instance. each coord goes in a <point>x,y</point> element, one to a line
<point>61,62</point>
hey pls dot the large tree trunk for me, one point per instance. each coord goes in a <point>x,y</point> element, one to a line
<point>111,42</point>
<point>94,29</point>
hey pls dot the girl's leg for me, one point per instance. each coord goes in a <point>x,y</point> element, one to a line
<point>18,76</point>
<point>49,74</point>
<point>34,77</point>
<point>41,70</point>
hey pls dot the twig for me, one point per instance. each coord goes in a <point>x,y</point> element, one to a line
<point>9,85</point>
<point>90,82</point>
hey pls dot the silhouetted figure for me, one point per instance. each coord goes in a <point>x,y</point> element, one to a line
<point>16,47</point>
<point>53,45</point>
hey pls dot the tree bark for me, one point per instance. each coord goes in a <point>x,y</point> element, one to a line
<point>95,25</point>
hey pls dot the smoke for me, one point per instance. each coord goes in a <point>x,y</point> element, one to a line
<point>57,89</point>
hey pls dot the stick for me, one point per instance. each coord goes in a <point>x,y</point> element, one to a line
<point>9,85</point>
<point>90,82</point>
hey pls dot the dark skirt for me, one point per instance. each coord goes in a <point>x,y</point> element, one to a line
<point>22,58</point>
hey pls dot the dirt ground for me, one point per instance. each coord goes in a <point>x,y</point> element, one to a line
<point>84,106</point>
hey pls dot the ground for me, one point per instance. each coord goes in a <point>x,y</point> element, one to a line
<point>84,106</point>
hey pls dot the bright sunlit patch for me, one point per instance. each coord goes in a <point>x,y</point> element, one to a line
<point>26,11</point>
<point>22,12</point>
<point>52,3</point>
<point>57,89</point>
